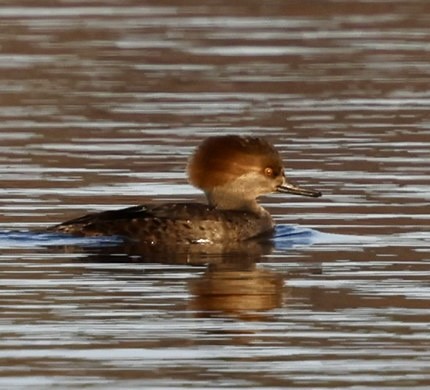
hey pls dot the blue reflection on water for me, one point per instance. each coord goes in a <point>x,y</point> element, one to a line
<point>14,239</point>
<point>286,237</point>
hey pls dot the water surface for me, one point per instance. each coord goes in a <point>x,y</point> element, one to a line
<point>101,106</point>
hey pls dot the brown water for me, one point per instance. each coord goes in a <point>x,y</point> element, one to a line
<point>100,107</point>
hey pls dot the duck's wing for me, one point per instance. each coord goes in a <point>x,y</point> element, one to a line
<point>103,221</point>
<point>139,220</point>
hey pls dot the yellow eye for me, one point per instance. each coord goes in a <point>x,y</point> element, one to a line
<point>268,171</point>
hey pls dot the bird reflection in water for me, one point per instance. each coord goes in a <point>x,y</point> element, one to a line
<point>232,283</point>
<point>247,291</point>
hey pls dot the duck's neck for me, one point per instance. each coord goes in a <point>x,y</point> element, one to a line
<point>223,199</point>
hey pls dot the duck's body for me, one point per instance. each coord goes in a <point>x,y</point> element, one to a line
<point>182,223</point>
<point>232,171</point>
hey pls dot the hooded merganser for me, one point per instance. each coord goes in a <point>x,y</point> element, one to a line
<point>232,171</point>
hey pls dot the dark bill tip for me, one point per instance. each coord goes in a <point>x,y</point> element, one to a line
<point>288,188</point>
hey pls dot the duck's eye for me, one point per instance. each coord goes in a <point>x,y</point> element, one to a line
<point>268,172</point>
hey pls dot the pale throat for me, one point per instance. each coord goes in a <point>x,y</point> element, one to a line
<point>239,193</point>
<point>224,198</point>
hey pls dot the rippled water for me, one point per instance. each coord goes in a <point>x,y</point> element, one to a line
<point>100,108</point>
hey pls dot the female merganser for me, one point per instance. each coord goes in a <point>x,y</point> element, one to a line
<point>232,171</point>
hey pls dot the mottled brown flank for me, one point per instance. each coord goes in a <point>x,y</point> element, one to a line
<point>227,157</point>
<point>185,223</point>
